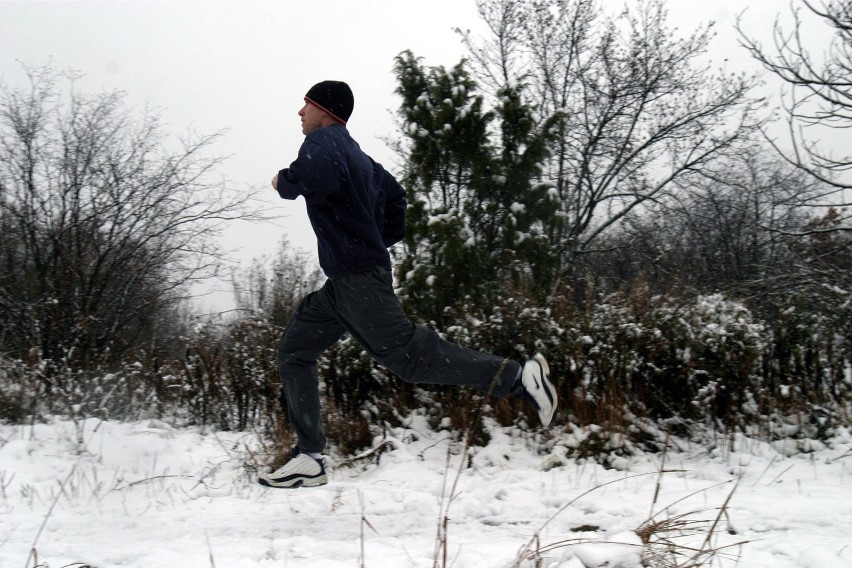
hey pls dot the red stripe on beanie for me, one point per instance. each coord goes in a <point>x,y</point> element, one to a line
<point>325,110</point>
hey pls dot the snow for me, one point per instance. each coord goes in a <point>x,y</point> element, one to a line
<point>148,494</point>
<point>447,217</point>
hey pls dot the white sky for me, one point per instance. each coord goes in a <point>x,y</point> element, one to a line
<point>245,66</point>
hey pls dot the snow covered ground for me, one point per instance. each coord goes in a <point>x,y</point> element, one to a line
<point>149,495</point>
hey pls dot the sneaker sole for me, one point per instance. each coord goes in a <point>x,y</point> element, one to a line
<point>544,393</point>
<point>294,482</point>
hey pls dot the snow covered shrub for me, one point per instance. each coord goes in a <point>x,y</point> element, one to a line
<point>515,328</point>
<point>630,365</point>
<point>596,443</point>
<point>806,375</point>
<point>34,389</point>
<point>642,356</point>
<point>604,365</point>
<point>724,360</point>
<point>18,390</point>
<point>358,395</point>
<point>251,372</point>
<point>229,381</point>
<point>706,360</point>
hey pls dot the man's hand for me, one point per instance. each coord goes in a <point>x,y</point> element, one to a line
<point>275,182</point>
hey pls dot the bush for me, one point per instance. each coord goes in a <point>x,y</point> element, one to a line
<point>628,370</point>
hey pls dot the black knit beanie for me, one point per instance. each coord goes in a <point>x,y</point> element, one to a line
<point>334,97</point>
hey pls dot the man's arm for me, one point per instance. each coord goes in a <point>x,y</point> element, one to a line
<point>393,228</point>
<point>286,184</point>
<point>314,175</point>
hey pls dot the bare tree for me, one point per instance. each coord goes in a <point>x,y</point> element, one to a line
<point>818,99</point>
<point>104,225</point>
<point>274,287</point>
<point>636,110</point>
<point>724,229</point>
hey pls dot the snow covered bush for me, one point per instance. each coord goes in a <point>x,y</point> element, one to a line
<point>17,389</point>
<point>226,378</point>
<point>707,361</point>
<point>629,370</point>
<point>724,360</point>
<point>359,396</point>
<point>33,389</point>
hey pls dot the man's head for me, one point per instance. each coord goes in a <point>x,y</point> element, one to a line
<point>326,103</point>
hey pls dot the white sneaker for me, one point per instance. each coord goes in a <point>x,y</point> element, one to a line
<point>535,380</point>
<point>301,471</point>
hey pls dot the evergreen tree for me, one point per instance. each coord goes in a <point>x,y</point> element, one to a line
<point>476,213</point>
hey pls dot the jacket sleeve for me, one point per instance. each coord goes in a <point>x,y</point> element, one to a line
<point>314,175</point>
<point>393,228</point>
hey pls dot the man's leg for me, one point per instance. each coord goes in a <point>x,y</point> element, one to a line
<point>373,315</point>
<point>312,330</point>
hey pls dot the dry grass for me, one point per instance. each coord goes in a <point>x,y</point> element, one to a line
<point>668,540</point>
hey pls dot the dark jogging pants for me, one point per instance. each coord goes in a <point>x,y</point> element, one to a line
<point>365,306</point>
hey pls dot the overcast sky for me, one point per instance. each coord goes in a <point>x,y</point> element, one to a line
<point>245,66</point>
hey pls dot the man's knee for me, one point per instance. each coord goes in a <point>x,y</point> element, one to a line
<point>284,356</point>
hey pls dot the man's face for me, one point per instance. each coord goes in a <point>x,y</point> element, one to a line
<point>313,117</point>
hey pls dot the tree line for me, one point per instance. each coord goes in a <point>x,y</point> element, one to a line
<point>581,183</point>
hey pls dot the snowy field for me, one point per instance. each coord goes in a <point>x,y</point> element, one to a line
<point>148,495</point>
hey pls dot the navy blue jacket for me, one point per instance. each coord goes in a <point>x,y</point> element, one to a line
<point>356,208</point>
